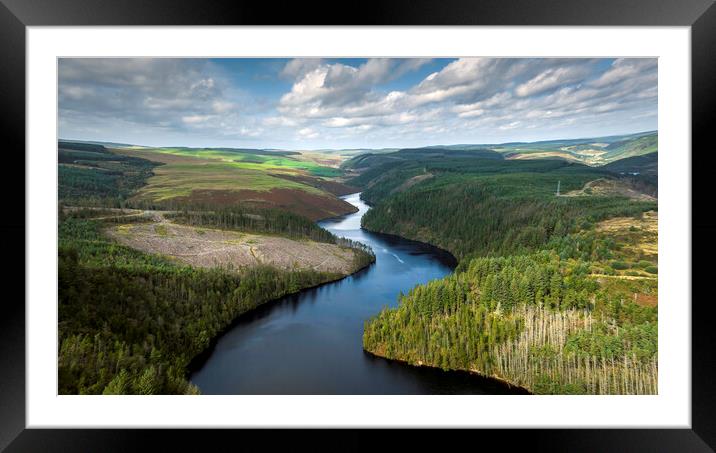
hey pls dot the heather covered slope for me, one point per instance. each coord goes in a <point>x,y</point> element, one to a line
<point>226,177</point>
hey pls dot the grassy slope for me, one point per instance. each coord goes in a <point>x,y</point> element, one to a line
<point>226,176</point>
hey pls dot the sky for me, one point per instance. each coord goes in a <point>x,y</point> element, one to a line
<point>307,103</point>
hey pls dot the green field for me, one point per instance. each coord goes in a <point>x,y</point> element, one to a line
<point>180,180</point>
<point>173,177</point>
<point>264,161</point>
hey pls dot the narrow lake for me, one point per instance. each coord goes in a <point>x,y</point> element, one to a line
<point>311,342</point>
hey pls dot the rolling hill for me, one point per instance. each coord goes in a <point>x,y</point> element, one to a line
<point>168,177</point>
<point>592,151</point>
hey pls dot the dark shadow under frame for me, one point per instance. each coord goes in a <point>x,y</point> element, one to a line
<point>16,15</point>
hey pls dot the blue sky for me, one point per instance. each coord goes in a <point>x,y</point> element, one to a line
<point>314,103</point>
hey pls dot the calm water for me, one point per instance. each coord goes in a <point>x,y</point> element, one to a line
<point>311,343</point>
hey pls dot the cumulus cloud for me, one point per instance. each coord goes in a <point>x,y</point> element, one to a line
<point>332,86</point>
<point>377,101</point>
<point>298,67</point>
<point>170,94</point>
<point>474,93</point>
<point>550,79</point>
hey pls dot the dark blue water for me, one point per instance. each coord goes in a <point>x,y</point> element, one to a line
<point>311,342</point>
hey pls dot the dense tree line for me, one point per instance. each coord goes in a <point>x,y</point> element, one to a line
<point>271,221</point>
<point>91,175</point>
<point>536,320</point>
<point>130,322</point>
<point>523,304</point>
<point>254,219</point>
<point>477,216</point>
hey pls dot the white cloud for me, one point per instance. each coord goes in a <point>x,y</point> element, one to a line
<point>307,132</point>
<point>623,69</point>
<point>550,79</point>
<point>298,67</point>
<point>468,99</point>
<point>196,119</point>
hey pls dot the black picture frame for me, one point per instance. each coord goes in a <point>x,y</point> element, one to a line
<point>16,15</point>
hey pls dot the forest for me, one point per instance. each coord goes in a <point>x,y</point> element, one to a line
<point>543,297</point>
<point>535,320</point>
<point>486,207</point>
<point>131,322</point>
<point>90,175</point>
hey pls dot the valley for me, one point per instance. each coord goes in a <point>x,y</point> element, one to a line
<point>554,289</point>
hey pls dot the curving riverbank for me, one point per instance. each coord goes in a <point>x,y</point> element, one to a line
<point>311,342</point>
<point>198,360</point>
<point>514,388</point>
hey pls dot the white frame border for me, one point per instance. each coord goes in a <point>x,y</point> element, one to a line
<point>670,409</point>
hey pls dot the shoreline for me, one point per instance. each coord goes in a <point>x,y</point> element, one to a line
<point>198,361</point>
<point>448,253</point>
<point>454,265</point>
<point>502,381</point>
<point>454,261</point>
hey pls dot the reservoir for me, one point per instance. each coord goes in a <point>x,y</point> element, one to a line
<point>311,342</point>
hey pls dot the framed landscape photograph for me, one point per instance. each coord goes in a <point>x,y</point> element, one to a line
<point>393,223</point>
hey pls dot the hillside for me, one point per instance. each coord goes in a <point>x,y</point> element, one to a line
<point>477,205</point>
<point>646,165</point>
<point>225,177</point>
<point>158,254</point>
<point>554,292</point>
<point>130,322</point>
<point>91,174</point>
<point>594,151</point>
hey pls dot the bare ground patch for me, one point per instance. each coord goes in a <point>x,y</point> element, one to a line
<point>204,247</point>
<point>609,187</point>
<point>639,238</point>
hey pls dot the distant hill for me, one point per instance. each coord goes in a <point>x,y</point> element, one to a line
<point>369,160</point>
<point>64,142</point>
<point>644,165</point>
<point>593,151</point>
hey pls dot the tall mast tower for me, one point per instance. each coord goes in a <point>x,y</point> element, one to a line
<point>558,183</point>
